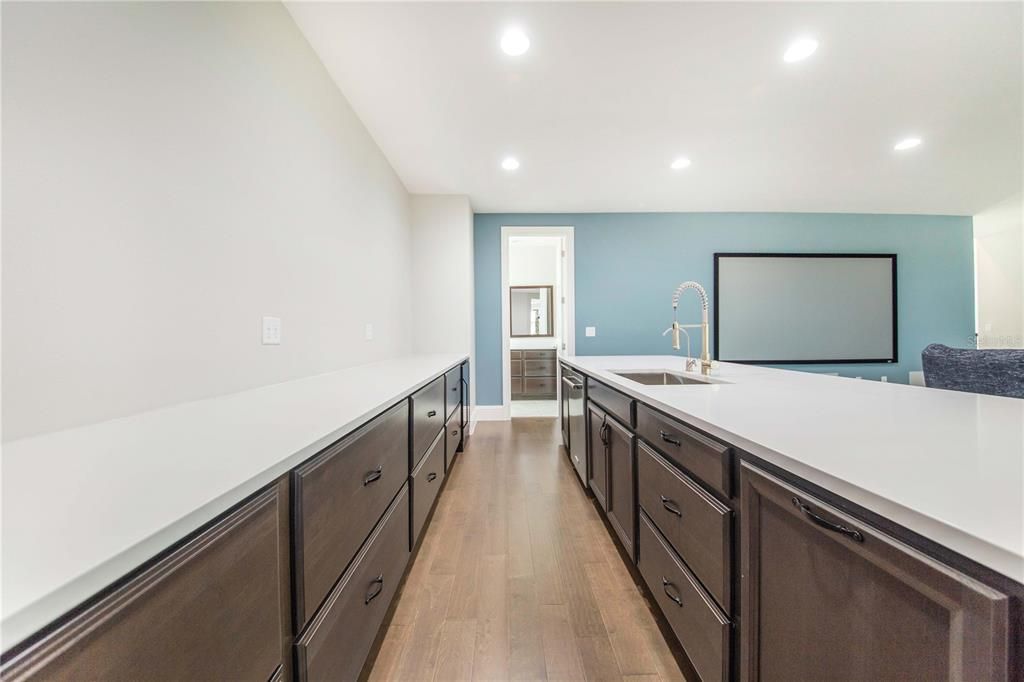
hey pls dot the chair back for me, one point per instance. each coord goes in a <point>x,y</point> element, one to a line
<point>990,371</point>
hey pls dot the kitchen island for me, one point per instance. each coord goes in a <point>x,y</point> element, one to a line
<point>793,504</point>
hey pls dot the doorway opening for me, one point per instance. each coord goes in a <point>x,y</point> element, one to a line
<point>538,317</point>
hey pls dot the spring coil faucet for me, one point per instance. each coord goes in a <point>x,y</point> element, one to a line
<point>705,355</point>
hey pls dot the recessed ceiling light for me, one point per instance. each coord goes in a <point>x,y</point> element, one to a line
<point>908,143</point>
<point>680,163</point>
<point>514,42</point>
<point>799,50</point>
<point>510,163</point>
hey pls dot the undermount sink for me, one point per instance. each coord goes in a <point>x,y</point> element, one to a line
<point>663,378</point>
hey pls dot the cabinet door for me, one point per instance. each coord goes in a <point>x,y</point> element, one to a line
<point>621,499</point>
<point>597,449</point>
<point>209,610</point>
<point>828,598</point>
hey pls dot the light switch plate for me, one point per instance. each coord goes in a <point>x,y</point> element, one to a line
<point>368,331</point>
<point>271,331</point>
<point>591,331</point>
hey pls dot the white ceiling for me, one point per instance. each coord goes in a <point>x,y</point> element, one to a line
<point>610,93</point>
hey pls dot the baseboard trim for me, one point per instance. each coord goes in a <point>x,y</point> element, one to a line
<point>492,413</point>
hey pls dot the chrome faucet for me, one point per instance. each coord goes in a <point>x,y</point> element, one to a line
<point>705,355</point>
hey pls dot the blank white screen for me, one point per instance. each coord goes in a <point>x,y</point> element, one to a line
<point>789,308</point>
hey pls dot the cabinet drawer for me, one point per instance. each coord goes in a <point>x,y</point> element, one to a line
<point>453,438</point>
<point>539,385</point>
<point>539,368</point>
<point>702,629</point>
<point>339,496</point>
<point>516,354</point>
<point>427,417</point>
<point>452,390</point>
<point>426,482</point>
<point>697,526</point>
<point>335,645</point>
<point>517,368</point>
<point>211,610</point>
<point>617,404</point>
<point>539,355</point>
<point>516,385</point>
<point>708,461</point>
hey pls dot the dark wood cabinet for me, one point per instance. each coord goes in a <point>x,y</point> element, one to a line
<point>617,404</point>
<point>452,390</point>
<point>426,484</point>
<point>427,417</point>
<point>338,639</point>
<point>597,452</point>
<point>708,461</point>
<point>338,497</point>
<point>212,609</point>
<point>453,440</point>
<point>533,373</point>
<point>828,597</point>
<point>621,497</point>
<point>698,526</point>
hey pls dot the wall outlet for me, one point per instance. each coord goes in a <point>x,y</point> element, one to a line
<point>368,331</point>
<point>271,331</point>
<point>591,331</point>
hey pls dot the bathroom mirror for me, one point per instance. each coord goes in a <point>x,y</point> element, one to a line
<point>531,311</point>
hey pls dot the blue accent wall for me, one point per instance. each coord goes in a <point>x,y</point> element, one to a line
<point>628,264</point>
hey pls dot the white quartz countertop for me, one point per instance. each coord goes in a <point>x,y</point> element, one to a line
<point>85,506</point>
<point>944,464</point>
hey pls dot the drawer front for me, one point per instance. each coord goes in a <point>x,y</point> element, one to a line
<point>539,385</point>
<point>547,354</point>
<point>539,368</point>
<point>517,385</point>
<point>426,482</point>
<point>453,438</point>
<point>615,403</point>
<point>452,390</point>
<point>335,645</point>
<point>708,461</point>
<point>697,526</point>
<point>702,629</point>
<point>211,610</point>
<point>516,354</point>
<point>598,455</point>
<point>517,368</point>
<point>427,417</point>
<point>339,496</point>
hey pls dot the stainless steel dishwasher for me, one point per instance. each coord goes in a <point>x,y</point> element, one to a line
<point>573,429</point>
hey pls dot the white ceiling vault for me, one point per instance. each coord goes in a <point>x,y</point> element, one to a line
<point>610,93</point>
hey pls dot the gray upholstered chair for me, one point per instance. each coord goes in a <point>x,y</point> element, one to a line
<point>995,371</point>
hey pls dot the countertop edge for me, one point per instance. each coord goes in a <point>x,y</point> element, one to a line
<point>16,627</point>
<point>955,539</point>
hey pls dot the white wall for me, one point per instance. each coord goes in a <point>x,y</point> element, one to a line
<point>537,261</point>
<point>442,277</point>
<point>999,271</point>
<point>173,171</point>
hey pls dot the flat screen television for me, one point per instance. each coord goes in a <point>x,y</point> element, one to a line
<point>805,308</point>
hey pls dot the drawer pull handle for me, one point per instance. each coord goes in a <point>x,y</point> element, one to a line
<point>376,587</point>
<point>665,584</point>
<point>455,432</point>
<point>851,533</point>
<point>431,476</point>
<point>669,438</point>
<point>671,506</point>
<point>432,413</point>
<point>373,475</point>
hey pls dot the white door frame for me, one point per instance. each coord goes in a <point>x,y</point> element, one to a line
<point>568,290</point>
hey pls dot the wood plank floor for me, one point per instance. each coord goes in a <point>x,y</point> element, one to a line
<point>504,584</point>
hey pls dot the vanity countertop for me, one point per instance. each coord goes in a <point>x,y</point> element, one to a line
<point>84,506</point>
<point>944,464</point>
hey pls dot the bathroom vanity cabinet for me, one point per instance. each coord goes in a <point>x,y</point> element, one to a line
<point>293,583</point>
<point>762,576</point>
<point>533,373</point>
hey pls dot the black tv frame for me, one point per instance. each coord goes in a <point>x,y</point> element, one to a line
<point>859,361</point>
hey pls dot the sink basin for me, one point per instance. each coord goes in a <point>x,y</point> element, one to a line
<point>662,378</point>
